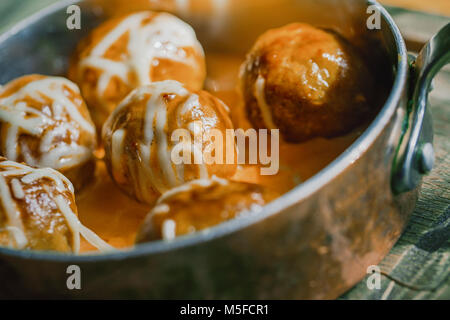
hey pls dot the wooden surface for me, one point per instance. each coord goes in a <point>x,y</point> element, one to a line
<point>418,267</point>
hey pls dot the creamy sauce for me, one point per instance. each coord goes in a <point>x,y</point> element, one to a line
<point>264,107</point>
<point>116,218</point>
<point>111,214</point>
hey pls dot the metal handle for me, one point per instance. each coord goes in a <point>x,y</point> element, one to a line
<point>415,153</point>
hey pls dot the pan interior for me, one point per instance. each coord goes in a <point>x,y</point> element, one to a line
<point>219,29</point>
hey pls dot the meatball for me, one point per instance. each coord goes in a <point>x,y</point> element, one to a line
<point>137,49</point>
<point>306,82</point>
<point>202,204</point>
<point>160,136</point>
<point>44,122</point>
<point>38,210</point>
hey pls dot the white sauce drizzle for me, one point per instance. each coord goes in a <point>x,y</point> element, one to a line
<point>29,175</point>
<point>94,239</point>
<point>17,189</point>
<point>169,229</point>
<point>190,185</point>
<point>61,182</point>
<point>72,221</point>
<point>155,139</point>
<point>263,106</point>
<point>117,141</point>
<point>161,208</point>
<point>13,214</point>
<point>17,235</point>
<point>156,119</point>
<point>197,150</point>
<point>164,37</point>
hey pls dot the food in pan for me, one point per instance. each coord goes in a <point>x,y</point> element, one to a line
<point>307,82</point>
<point>141,139</point>
<point>142,76</point>
<point>44,122</point>
<point>201,204</point>
<point>126,52</point>
<point>38,210</point>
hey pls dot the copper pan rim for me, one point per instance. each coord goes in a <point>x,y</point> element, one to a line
<point>296,195</point>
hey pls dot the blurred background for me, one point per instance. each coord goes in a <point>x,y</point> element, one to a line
<point>441,7</point>
<point>12,10</point>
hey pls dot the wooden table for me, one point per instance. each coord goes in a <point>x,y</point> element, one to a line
<point>418,267</point>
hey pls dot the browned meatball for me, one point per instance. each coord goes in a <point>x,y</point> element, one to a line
<point>202,204</point>
<point>38,210</point>
<point>44,122</point>
<point>34,205</point>
<point>306,82</point>
<point>126,52</point>
<point>142,143</point>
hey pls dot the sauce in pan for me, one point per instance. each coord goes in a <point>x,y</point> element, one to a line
<point>226,34</point>
<point>116,218</point>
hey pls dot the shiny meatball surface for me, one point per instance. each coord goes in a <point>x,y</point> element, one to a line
<point>202,204</point>
<point>44,122</point>
<point>37,209</point>
<point>160,136</point>
<point>307,82</point>
<point>133,50</point>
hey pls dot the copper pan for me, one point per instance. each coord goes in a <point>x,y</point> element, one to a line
<point>317,240</point>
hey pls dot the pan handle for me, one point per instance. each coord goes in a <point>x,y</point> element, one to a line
<point>415,154</point>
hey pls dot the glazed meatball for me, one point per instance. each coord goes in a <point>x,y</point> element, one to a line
<point>37,209</point>
<point>202,204</point>
<point>160,136</point>
<point>306,82</point>
<point>137,49</point>
<point>44,122</point>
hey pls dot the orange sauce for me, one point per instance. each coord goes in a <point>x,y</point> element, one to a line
<point>109,212</point>
<point>116,218</point>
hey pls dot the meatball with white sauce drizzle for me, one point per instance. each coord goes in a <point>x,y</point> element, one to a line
<point>142,144</point>
<point>38,211</point>
<point>44,122</point>
<point>202,204</point>
<point>307,82</point>
<point>126,52</point>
